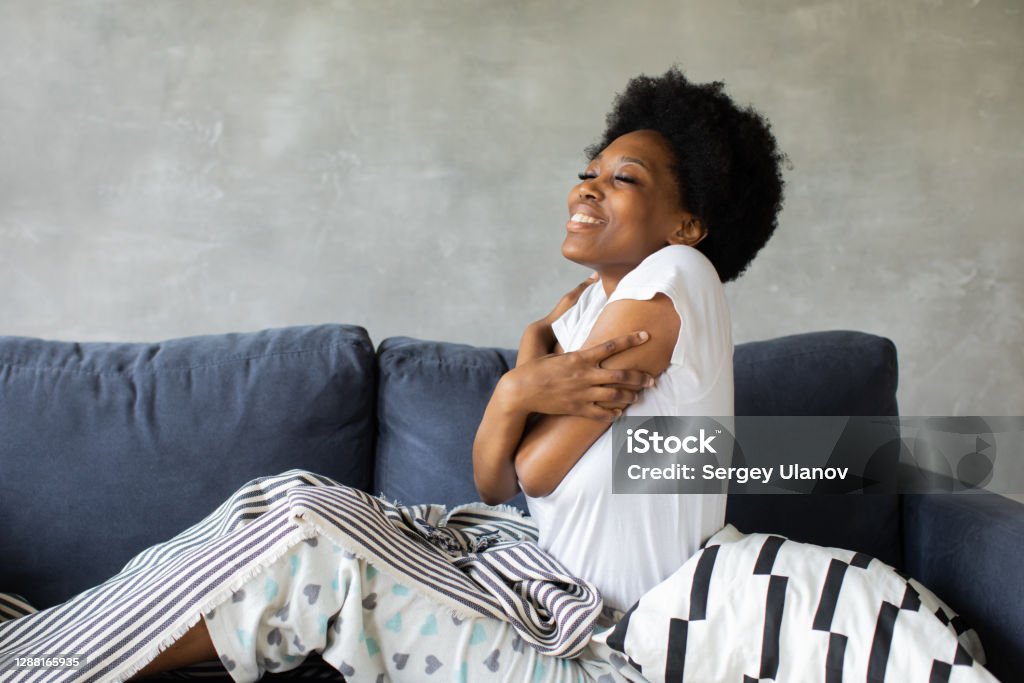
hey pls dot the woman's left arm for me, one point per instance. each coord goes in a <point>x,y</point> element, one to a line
<point>551,446</point>
<point>555,384</point>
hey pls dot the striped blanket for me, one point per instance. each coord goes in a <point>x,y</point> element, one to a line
<point>474,559</point>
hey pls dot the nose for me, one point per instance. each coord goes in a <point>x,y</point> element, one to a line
<point>587,190</point>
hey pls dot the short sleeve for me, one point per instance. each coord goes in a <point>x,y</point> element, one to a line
<point>572,327</point>
<point>561,330</point>
<point>689,279</point>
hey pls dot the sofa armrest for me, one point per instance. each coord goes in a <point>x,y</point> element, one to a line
<point>969,550</point>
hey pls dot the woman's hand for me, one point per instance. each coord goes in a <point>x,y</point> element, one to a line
<point>538,338</point>
<point>567,301</point>
<point>574,383</point>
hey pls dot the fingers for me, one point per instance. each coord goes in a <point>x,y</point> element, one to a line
<point>573,295</point>
<point>625,379</point>
<point>583,285</point>
<point>613,397</point>
<point>598,412</point>
<point>599,352</point>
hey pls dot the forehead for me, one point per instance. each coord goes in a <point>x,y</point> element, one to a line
<point>648,146</point>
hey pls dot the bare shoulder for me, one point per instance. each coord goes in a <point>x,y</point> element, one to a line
<point>657,316</point>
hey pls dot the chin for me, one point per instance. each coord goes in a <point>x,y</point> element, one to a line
<point>576,255</point>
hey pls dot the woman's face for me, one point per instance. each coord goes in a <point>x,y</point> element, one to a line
<point>627,206</point>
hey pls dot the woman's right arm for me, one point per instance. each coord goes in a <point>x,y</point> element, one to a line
<point>554,384</point>
<point>499,433</point>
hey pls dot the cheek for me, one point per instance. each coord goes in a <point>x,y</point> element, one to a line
<point>634,214</point>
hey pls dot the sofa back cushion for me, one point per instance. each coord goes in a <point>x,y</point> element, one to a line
<point>107,448</point>
<point>820,373</point>
<point>430,400</point>
<point>433,394</point>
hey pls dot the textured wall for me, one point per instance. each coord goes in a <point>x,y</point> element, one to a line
<point>176,168</point>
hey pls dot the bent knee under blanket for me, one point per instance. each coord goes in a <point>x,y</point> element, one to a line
<point>473,560</point>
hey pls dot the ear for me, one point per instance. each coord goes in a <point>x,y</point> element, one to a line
<point>689,231</point>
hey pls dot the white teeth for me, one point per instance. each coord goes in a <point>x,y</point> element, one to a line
<point>583,218</point>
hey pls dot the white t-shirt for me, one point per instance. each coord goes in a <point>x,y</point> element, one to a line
<point>628,543</point>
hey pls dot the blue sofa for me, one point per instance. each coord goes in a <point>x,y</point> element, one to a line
<point>107,448</point>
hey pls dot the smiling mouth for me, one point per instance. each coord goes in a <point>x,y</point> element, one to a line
<point>584,218</point>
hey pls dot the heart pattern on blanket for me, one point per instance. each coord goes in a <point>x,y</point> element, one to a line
<point>346,669</point>
<point>492,661</point>
<point>429,626</point>
<point>394,623</point>
<point>433,664</point>
<point>518,644</point>
<point>326,566</point>
<point>400,658</point>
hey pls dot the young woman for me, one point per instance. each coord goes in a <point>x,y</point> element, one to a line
<point>678,197</point>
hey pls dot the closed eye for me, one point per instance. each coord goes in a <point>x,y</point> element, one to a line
<point>621,178</point>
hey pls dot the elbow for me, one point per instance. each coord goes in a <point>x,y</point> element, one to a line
<point>487,498</point>
<point>491,496</point>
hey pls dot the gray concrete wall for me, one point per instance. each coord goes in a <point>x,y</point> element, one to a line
<point>177,168</point>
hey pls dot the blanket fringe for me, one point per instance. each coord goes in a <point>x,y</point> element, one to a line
<point>501,507</point>
<point>138,663</point>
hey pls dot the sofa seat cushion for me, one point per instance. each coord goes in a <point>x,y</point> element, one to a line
<point>970,549</point>
<point>107,448</point>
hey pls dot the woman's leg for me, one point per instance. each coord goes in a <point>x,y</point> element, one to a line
<point>366,624</point>
<point>193,647</point>
<point>398,634</point>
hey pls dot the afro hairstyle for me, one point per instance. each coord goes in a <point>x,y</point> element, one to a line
<point>727,162</point>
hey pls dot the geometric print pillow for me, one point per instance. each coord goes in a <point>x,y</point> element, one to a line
<point>760,607</point>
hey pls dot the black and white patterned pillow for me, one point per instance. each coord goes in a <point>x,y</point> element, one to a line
<point>759,607</point>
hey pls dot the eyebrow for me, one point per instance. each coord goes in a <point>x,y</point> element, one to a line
<point>630,160</point>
